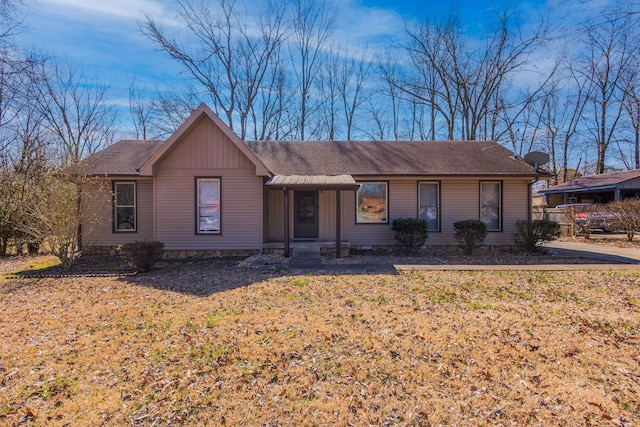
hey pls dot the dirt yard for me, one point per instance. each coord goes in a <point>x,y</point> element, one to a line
<point>200,344</point>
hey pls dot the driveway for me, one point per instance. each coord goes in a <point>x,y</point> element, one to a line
<point>597,252</point>
<point>605,258</point>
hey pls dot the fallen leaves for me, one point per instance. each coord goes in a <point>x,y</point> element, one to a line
<point>209,345</point>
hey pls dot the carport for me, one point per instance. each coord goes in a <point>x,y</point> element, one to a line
<point>603,188</point>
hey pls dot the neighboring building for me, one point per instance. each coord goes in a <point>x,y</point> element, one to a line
<point>603,188</point>
<point>206,191</point>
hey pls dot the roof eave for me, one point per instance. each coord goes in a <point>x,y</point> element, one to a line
<point>579,189</point>
<point>452,175</point>
<point>311,187</point>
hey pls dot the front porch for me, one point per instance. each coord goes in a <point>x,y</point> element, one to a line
<point>303,226</point>
<point>297,247</point>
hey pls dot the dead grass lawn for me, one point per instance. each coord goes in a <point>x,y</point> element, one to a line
<point>223,346</point>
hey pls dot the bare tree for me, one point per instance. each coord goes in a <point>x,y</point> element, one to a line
<point>141,112</point>
<point>312,25</point>
<point>632,108</point>
<point>328,91</point>
<point>560,109</point>
<point>172,108</point>
<point>467,85</point>
<point>611,47</point>
<point>76,112</point>
<point>271,116</point>
<point>352,77</point>
<point>10,21</point>
<point>230,59</point>
<point>391,76</point>
<point>433,83</point>
<point>23,153</point>
<point>522,129</point>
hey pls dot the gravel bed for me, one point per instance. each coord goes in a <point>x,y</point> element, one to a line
<point>101,266</point>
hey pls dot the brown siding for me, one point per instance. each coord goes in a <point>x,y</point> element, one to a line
<point>100,206</point>
<point>207,152</point>
<point>515,206</point>
<point>276,220</point>
<point>631,184</point>
<point>241,210</point>
<point>366,234</point>
<point>265,216</point>
<point>327,214</point>
<point>459,201</point>
<point>206,147</point>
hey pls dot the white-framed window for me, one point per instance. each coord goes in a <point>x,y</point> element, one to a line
<point>124,207</point>
<point>372,205</point>
<point>491,205</point>
<point>429,204</point>
<point>207,205</point>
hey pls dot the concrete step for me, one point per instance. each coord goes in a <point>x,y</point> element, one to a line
<point>306,252</point>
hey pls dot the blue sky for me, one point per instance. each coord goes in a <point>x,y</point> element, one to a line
<point>102,38</point>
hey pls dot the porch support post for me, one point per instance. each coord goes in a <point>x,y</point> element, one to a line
<point>287,253</point>
<point>338,237</point>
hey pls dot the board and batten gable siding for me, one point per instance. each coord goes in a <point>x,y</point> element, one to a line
<point>207,152</point>
<point>99,206</point>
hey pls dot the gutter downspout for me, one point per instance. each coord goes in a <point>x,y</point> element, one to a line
<point>530,196</point>
<point>530,200</point>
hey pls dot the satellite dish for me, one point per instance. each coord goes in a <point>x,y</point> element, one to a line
<point>536,158</point>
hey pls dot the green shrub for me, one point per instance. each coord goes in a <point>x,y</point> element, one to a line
<point>470,234</point>
<point>530,234</point>
<point>411,233</point>
<point>142,255</point>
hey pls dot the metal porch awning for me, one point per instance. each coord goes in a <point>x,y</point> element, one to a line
<point>312,182</point>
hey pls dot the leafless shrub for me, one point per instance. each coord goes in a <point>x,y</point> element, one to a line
<point>626,216</point>
<point>583,218</point>
<point>56,214</point>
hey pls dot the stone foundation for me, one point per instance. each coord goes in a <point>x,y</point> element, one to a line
<point>209,253</point>
<point>393,249</point>
<point>323,251</point>
<point>101,250</point>
<point>113,250</point>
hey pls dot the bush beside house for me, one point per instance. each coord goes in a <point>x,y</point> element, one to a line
<point>531,233</point>
<point>470,234</point>
<point>411,233</point>
<point>142,255</point>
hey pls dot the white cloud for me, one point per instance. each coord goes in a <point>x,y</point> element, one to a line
<point>115,8</point>
<point>367,24</point>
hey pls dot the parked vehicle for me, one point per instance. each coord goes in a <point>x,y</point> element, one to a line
<point>591,216</point>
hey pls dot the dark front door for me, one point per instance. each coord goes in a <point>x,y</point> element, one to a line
<point>305,223</point>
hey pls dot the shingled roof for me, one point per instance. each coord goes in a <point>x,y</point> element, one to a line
<point>594,182</point>
<point>389,158</point>
<point>363,158</point>
<point>122,158</point>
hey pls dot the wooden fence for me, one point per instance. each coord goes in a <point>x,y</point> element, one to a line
<point>558,215</point>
